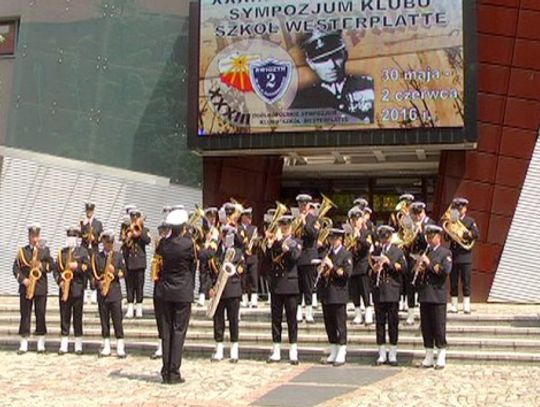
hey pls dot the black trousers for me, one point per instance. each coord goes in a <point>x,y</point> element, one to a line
<point>335,322</point>
<point>26,314</point>
<point>232,305</point>
<point>410,289</point>
<point>460,271</point>
<point>387,312</point>
<point>433,325</point>
<point>135,285</point>
<point>306,281</point>
<point>290,303</point>
<point>157,313</point>
<point>174,318</point>
<point>360,288</point>
<point>250,279</point>
<point>108,311</point>
<point>73,306</point>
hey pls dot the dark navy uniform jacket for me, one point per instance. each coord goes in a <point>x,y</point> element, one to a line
<point>233,288</point>
<point>334,290</point>
<point>100,260</point>
<point>360,252</point>
<point>459,254</point>
<point>391,277</point>
<point>21,268</point>
<point>433,285</point>
<point>80,255</point>
<point>283,274</point>
<point>310,234</point>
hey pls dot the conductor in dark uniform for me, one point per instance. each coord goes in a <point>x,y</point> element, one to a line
<point>30,268</point>
<point>231,294</point>
<point>73,269</point>
<point>327,55</point>
<point>250,279</point>
<point>432,292</point>
<point>418,246</point>
<point>108,267</point>
<point>91,229</point>
<point>135,256</point>
<point>309,233</point>
<point>332,288</point>
<point>175,292</point>
<point>283,252</point>
<point>462,258</point>
<point>387,273</point>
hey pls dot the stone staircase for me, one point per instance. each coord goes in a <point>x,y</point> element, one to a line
<point>493,333</point>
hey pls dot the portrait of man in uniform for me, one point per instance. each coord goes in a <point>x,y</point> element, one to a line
<point>326,55</point>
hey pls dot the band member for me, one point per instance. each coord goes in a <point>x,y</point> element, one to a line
<point>70,274</point>
<point>309,233</point>
<point>435,265</point>
<point>283,251</point>
<point>91,229</point>
<point>462,258</point>
<point>211,240</point>
<point>108,267</point>
<point>334,272</point>
<point>326,54</point>
<point>387,275</point>
<point>174,293</point>
<point>360,244</point>
<point>134,250</point>
<point>157,263</point>
<point>232,292</point>
<point>402,210</point>
<point>363,205</point>
<point>126,222</point>
<point>250,278</point>
<point>418,246</point>
<point>30,268</point>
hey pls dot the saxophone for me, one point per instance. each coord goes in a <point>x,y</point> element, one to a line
<point>35,273</point>
<point>67,273</point>
<point>227,269</point>
<point>107,276</point>
<point>155,267</point>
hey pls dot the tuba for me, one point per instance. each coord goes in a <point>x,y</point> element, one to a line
<point>326,224</point>
<point>34,275</point>
<point>196,216</point>
<point>273,226</point>
<point>408,230</point>
<point>457,231</point>
<point>67,273</point>
<point>227,269</point>
<point>351,237</point>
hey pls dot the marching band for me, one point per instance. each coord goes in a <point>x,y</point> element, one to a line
<point>304,256</point>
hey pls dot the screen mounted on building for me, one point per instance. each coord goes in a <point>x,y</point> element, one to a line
<point>285,66</point>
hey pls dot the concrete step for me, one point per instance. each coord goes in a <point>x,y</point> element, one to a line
<point>12,320</point>
<point>364,355</point>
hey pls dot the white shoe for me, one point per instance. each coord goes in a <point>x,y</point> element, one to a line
<point>453,305</point>
<point>405,304</point>
<point>333,353</point>
<point>138,310</point>
<point>269,302</point>
<point>106,349</point>
<point>244,302</point>
<point>357,316</point>
<point>466,305</point>
<point>299,317</point>
<point>441,359</point>
<point>341,354</point>
<point>293,354</point>
<point>410,316</point>
<point>369,316</point>
<point>392,356</point>
<point>159,351</point>
<point>78,345</point>
<point>234,352</point>
<point>120,348</point>
<point>93,296</point>
<point>129,312</point>
<point>309,314</point>
<point>382,355</point>
<point>63,345</point>
<point>276,353</point>
<point>218,354</point>
<point>314,301</point>
<point>41,344</point>
<point>254,300</point>
<point>202,299</point>
<point>428,359</point>
<point>23,346</point>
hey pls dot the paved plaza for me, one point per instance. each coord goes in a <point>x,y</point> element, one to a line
<point>51,380</point>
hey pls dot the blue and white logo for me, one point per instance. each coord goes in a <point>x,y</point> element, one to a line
<point>270,78</point>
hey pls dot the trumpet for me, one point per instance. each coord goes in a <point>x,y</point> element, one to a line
<point>457,231</point>
<point>34,275</point>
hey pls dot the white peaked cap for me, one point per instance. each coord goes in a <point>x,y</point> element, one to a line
<point>177,217</point>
